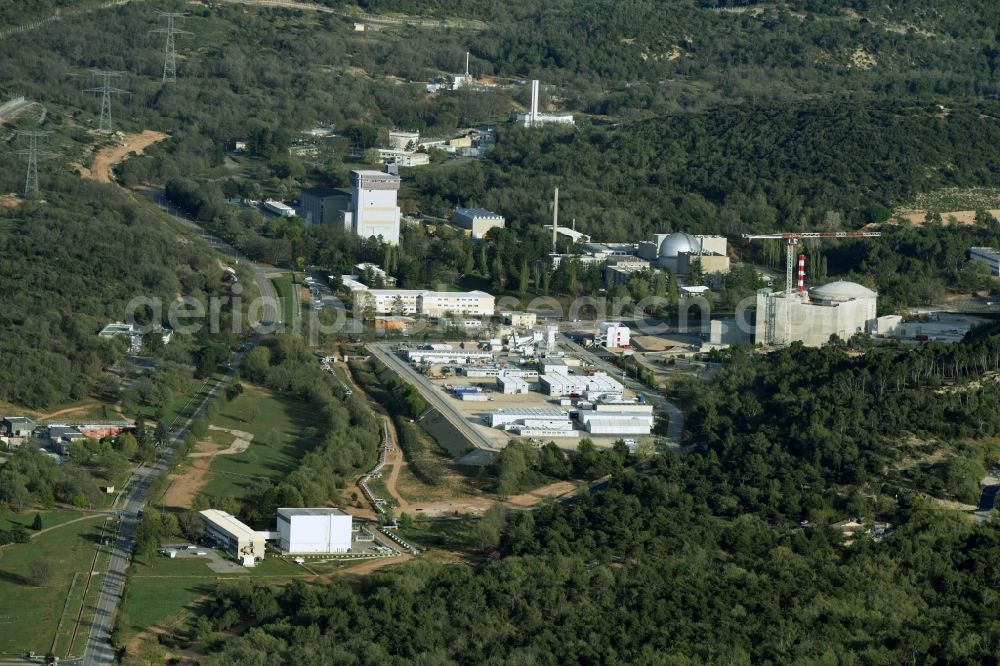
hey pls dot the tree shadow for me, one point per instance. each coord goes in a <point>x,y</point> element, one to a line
<point>11,577</point>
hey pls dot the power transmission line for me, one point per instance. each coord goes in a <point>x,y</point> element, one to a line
<point>33,152</point>
<point>170,51</point>
<point>107,90</point>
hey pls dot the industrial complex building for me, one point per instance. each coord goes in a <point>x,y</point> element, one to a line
<point>533,118</point>
<point>678,252</point>
<point>615,335</point>
<point>373,210</point>
<point>478,221</point>
<point>321,530</point>
<point>323,205</point>
<point>367,209</point>
<point>559,383</point>
<point>233,537</point>
<point>839,308</point>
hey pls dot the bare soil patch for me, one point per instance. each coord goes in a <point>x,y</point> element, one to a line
<point>106,158</point>
<point>960,217</point>
<point>551,491</point>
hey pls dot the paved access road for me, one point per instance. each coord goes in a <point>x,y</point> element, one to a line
<point>99,649</point>
<point>383,352</point>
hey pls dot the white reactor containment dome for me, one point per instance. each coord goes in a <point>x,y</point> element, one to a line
<point>678,242</point>
<point>841,291</point>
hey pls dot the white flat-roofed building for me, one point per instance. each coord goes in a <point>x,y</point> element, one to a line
<point>598,423</point>
<point>389,301</point>
<point>373,210</point>
<point>527,431</point>
<point>478,220</point>
<point>233,536</point>
<point>503,417</point>
<point>615,335</point>
<point>425,302</point>
<point>596,386</point>
<point>404,140</point>
<point>497,371</point>
<point>623,407</point>
<point>512,385</point>
<point>351,283</point>
<point>459,357</point>
<point>376,271</point>
<point>987,255</point>
<point>520,319</point>
<point>439,303</point>
<point>552,365</point>
<point>279,209</point>
<point>320,530</point>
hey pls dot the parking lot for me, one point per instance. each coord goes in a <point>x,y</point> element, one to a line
<point>217,562</point>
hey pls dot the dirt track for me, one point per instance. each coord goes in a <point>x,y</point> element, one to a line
<point>960,217</point>
<point>185,485</point>
<point>241,442</point>
<point>106,158</point>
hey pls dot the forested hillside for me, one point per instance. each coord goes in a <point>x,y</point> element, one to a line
<point>756,166</point>
<point>70,265</point>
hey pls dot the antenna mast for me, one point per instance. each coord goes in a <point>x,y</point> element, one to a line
<point>170,51</point>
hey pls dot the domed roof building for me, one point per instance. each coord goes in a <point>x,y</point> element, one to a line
<point>840,292</point>
<point>677,252</point>
<point>839,308</point>
<point>678,242</point>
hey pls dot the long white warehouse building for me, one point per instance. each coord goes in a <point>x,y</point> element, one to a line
<point>321,530</point>
<point>598,385</point>
<point>458,357</point>
<point>616,423</point>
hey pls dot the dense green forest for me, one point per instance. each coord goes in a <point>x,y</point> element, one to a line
<point>723,554</point>
<point>71,264</point>
<point>754,167</point>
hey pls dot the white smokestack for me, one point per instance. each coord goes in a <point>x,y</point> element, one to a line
<point>555,216</point>
<point>533,116</point>
<point>466,64</point>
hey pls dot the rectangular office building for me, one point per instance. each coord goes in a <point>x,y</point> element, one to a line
<point>231,535</point>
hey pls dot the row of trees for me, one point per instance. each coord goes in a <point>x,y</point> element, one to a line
<point>346,437</point>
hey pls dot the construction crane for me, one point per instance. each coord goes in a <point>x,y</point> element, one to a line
<point>792,239</point>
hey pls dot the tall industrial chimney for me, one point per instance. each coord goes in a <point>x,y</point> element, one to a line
<point>802,273</point>
<point>533,116</point>
<point>555,217</point>
<point>466,64</point>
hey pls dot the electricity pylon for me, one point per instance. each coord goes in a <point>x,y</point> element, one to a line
<point>33,152</point>
<point>170,51</point>
<point>107,91</point>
